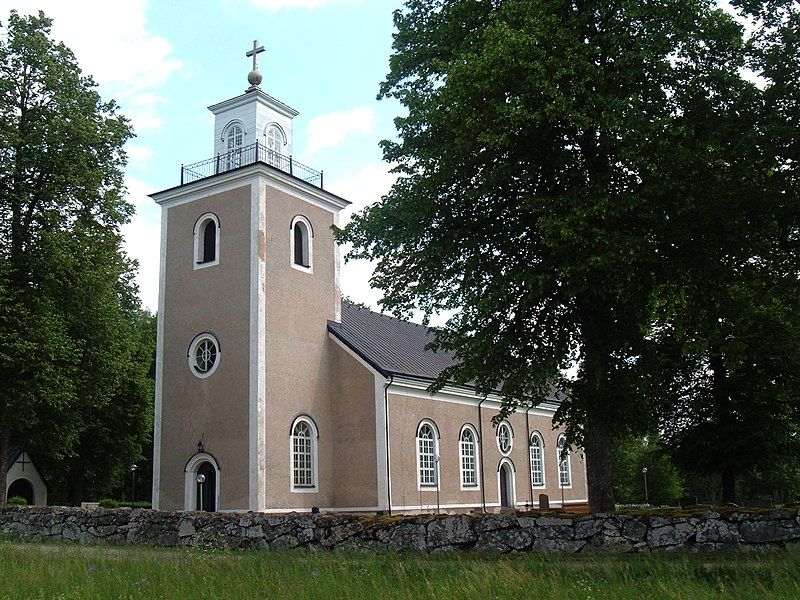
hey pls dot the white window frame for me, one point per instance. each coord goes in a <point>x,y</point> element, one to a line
<point>505,423</point>
<point>314,488</point>
<point>537,436</point>
<point>198,339</point>
<point>199,231</point>
<point>562,440</point>
<point>468,428</point>
<point>310,235</point>
<point>274,161</point>
<point>437,481</point>
<point>233,156</point>
<point>190,480</point>
<point>513,483</point>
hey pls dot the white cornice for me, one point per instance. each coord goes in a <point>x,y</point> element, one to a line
<point>250,174</point>
<point>255,96</point>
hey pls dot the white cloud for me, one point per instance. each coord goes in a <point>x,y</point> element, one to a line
<point>138,155</point>
<point>111,43</point>
<point>142,237</point>
<point>275,5</point>
<point>328,130</point>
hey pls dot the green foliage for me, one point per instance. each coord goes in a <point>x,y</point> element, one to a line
<point>17,500</point>
<point>74,378</point>
<point>109,503</point>
<point>545,150</point>
<point>664,482</point>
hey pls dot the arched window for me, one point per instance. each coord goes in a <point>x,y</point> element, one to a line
<point>302,237</point>
<point>468,446</point>
<point>537,461</point>
<point>564,467</point>
<point>275,143</point>
<point>234,140</point>
<point>427,455</point>
<point>204,355</point>
<point>201,493</point>
<point>304,455</point>
<point>206,241</point>
<point>505,438</point>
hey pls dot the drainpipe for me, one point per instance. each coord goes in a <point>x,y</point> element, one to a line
<point>480,449</point>
<point>530,465</point>
<point>388,464</point>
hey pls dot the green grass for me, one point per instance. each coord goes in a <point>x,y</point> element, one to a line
<point>30,571</point>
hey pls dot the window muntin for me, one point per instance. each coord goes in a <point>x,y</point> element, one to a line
<point>564,466</point>
<point>234,142</point>
<point>304,455</point>
<point>274,144</point>
<point>204,354</point>
<point>302,237</point>
<point>505,438</point>
<point>469,458</point>
<point>426,456</point>
<point>537,461</point>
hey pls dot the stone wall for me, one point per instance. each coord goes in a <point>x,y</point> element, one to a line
<point>523,532</point>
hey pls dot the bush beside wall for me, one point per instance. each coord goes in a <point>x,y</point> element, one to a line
<point>524,532</point>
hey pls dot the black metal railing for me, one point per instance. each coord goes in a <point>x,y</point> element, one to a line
<point>247,155</point>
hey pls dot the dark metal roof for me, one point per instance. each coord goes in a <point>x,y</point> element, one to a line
<point>390,345</point>
<point>396,347</point>
<point>13,455</point>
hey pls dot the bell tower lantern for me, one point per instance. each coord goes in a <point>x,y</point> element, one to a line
<point>253,118</point>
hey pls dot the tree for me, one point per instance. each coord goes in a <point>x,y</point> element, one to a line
<point>632,455</point>
<point>727,328</point>
<point>61,162</point>
<point>532,190</point>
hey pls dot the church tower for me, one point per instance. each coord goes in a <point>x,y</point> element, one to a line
<point>249,279</point>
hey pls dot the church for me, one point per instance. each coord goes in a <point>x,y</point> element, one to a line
<point>274,395</point>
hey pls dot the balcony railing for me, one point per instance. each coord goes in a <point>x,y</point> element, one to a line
<point>248,155</point>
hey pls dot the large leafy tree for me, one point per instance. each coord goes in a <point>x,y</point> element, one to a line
<point>64,288</point>
<point>533,187</point>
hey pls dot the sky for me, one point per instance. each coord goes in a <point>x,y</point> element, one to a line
<point>166,61</point>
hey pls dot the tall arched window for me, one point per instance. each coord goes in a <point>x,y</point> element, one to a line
<point>234,141</point>
<point>302,237</point>
<point>427,459</point>
<point>564,467</point>
<point>304,455</point>
<point>537,461</point>
<point>206,241</point>
<point>275,140</point>
<point>468,445</point>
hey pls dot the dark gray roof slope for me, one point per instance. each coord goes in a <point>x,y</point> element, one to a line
<point>13,455</point>
<point>390,345</point>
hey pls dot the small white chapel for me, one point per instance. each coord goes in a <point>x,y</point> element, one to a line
<point>274,395</point>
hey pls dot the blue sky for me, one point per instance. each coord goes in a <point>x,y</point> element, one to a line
<point>166,61</point>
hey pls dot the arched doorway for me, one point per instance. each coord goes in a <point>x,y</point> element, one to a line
<point>207,490</point>
<point>23,489</point>
<point>506,476</point>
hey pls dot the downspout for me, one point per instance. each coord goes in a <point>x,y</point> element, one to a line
<point>530,464</point>
<point>480,449</point>
<point>386,422</point>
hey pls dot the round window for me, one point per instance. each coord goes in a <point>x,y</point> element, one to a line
<point>203,355</point>
<point>504,438</point>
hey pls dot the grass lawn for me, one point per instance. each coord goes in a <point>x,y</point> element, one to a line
<point>29,571</point>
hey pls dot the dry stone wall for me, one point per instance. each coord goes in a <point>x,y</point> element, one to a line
<point>523,532</point>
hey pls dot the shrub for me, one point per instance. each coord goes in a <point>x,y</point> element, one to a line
<point>17,500</point>
<point>108,503</point>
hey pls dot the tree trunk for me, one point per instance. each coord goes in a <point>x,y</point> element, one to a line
<point>598,464</point>
<point>4,447</point>
<point>77,484</point>
<point>728,486</point>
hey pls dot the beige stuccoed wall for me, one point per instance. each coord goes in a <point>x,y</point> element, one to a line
<point>405,414</point>
<point>298,361</point>
<point>214,299</point>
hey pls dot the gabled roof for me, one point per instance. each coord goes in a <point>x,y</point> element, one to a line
<point>389,345</point>
<point>393,346</point>
<point>13,455</point>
